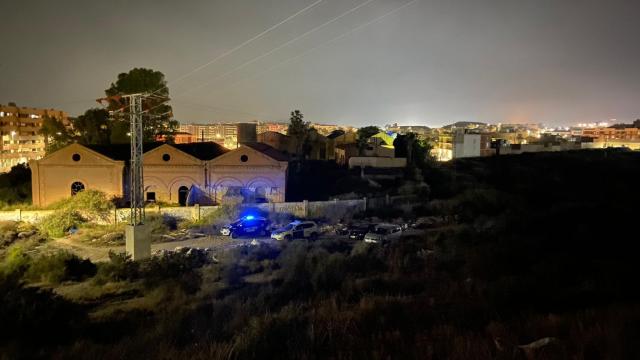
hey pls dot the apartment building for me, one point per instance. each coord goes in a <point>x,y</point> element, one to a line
<point>221,133</point>
<point>604,134</point>
<point>19,130</point>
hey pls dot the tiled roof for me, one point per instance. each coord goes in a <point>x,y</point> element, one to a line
<point>200,150</point>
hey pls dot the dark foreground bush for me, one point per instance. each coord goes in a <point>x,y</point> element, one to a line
<point>34,319</point>
<point>59,267</point>
<point>180,267</point>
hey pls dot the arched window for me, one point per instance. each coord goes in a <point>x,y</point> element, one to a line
<point>76,187</point>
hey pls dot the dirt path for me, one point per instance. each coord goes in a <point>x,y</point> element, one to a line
<point>101,253</point>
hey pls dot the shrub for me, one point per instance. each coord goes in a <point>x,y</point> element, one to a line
<point>88,205</point>
<point>59,267</point>
<point>120,267</point>
<point>33,318</point>
<point>57,224</point>
<point>157,224</point>
<point>179,266</point>
<point>15,263</point>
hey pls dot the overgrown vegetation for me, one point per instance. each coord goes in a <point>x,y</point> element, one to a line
<point>15,188</point>
<point>86,206</point>
<point>529,251</point>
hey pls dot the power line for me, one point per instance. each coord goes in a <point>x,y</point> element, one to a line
<point>223,109</point>
<point>324,43</point>
<point>280,46</point>
<point>375,20</point>
<point>244,43</point>
<point>227,53</point>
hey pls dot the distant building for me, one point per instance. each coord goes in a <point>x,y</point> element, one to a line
<point>19,130</point>
<point>317,150</point>
<point>277,140</point>
<point>246,132</point>
<point>605,134</point>
<point>465,145</point>
<point>471,144</point>
<point>336,138</point>
<point>377,146</point>
<point>179,137</point>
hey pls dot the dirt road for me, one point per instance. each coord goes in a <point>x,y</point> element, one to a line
<point>101,253</point>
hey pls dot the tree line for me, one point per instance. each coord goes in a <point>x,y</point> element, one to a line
<point>110,125</point>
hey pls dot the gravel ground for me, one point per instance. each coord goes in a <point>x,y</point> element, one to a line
<point>101,253</point>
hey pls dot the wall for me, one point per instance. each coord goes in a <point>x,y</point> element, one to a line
<point>166,169</point>
<point>377,162</point>
<point>312,209</point>
<point>249,169</point>
<point>466,145</point>
<point>51,177</point>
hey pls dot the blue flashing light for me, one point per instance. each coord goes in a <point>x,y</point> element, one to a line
<point>249,217</point>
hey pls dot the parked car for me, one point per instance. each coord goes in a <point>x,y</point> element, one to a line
<point>247,226</point>
<point>342,229</point>
<point>357,232</point>
<point>297,230</point>
<point>383,233</point>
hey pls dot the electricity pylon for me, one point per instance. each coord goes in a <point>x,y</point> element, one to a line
<point>138,244</point>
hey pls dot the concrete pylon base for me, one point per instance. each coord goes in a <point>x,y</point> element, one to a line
<point>138,242</point>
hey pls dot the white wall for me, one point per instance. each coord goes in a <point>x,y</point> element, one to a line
<point>466,145</point>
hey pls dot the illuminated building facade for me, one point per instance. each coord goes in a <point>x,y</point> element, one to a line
<point>19,130</point>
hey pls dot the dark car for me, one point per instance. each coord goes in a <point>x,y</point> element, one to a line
<point>247,226</point>
<point>342,229</point>
<point>357,232</point>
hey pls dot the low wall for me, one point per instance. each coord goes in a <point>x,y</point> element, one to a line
<point>333,208</point>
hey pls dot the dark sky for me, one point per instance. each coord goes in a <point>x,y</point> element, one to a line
<point>429,62</point>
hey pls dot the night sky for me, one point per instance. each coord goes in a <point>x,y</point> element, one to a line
<point>421,62</point>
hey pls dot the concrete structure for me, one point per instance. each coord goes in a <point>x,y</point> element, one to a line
<point>247,132</point>
<point>197,173</point>
<point>466,145</point>
<point>19,131</point>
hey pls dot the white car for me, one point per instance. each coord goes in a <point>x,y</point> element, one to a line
<point>297,230</point>
<point>382,233</point>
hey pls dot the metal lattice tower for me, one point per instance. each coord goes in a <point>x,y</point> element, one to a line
<point>136,182</point>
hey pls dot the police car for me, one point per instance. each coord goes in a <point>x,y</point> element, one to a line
<point>297,230</point>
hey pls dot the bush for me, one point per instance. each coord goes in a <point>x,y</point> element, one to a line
<point>15,263</point>
<point>33,318</point>
<point>59,267</point>
<point>120,267</point>
<point>59,223</point>
<point>15,188</point>
<point>88,205</point>
<point>160,224</point>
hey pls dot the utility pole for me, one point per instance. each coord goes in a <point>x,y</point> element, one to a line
<point>137,239</point>
<point>138,244</point>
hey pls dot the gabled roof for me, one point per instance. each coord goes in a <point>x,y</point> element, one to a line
<point>267,150</point>
<point>120,151</point>
<point>201,150</point>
